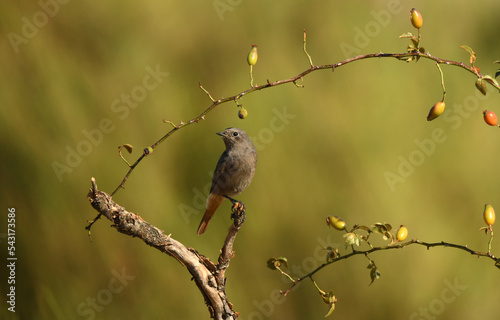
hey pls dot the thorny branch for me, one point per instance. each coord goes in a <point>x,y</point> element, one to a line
<point>300,76</point>
<point>397,246</point>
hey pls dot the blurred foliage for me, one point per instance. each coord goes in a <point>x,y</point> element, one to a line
<point>349,128</point>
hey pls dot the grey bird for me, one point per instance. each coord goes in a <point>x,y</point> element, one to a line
<point>233,174</point>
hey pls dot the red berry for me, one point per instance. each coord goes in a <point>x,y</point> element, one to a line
<point>490,118</point>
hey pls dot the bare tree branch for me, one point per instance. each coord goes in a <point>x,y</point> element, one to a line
<point>208,277</point>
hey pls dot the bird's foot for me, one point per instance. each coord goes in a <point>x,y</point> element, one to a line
<point>238,212</point>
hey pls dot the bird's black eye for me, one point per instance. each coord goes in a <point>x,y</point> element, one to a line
<point>235,134</point>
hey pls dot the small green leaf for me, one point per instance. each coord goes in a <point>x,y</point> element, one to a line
<point>330,311</point>
<point>374,274</point>
<point>283,261</point>
<point>472,58</point>
<point>270,263</point>
<point>275,263</point>
<point>467,48</point>
<point>406,35</point>
<point>332,254</point>
<point>362,228</point>
<point>351,239</point>
<point>381,228</point>
<point>329,297</point>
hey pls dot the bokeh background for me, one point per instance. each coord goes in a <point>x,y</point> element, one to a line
<point>324,149</point>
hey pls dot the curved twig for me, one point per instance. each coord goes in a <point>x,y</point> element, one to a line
<point>293,80</point>
<point>397,246</point>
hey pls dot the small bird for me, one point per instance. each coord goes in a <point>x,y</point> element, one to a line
<point>233,174</point>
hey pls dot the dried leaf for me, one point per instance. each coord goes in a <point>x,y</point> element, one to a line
<point>332,254</point>
<point>481,86</point>
<point>127,146</point>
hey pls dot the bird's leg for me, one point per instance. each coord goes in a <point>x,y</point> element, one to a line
<point>238,209</point>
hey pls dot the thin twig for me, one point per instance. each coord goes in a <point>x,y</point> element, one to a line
<point>442,79</point>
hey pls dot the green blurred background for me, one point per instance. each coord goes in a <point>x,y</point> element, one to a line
<point>328,156</point>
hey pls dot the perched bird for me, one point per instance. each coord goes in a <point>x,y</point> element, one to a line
<point>233,174</point>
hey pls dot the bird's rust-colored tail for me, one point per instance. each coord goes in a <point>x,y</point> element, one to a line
<point>213,202</point>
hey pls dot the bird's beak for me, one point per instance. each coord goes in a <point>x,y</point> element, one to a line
<point>220,134</point>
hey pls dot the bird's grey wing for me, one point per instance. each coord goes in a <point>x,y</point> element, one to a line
<point>220,170</point>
